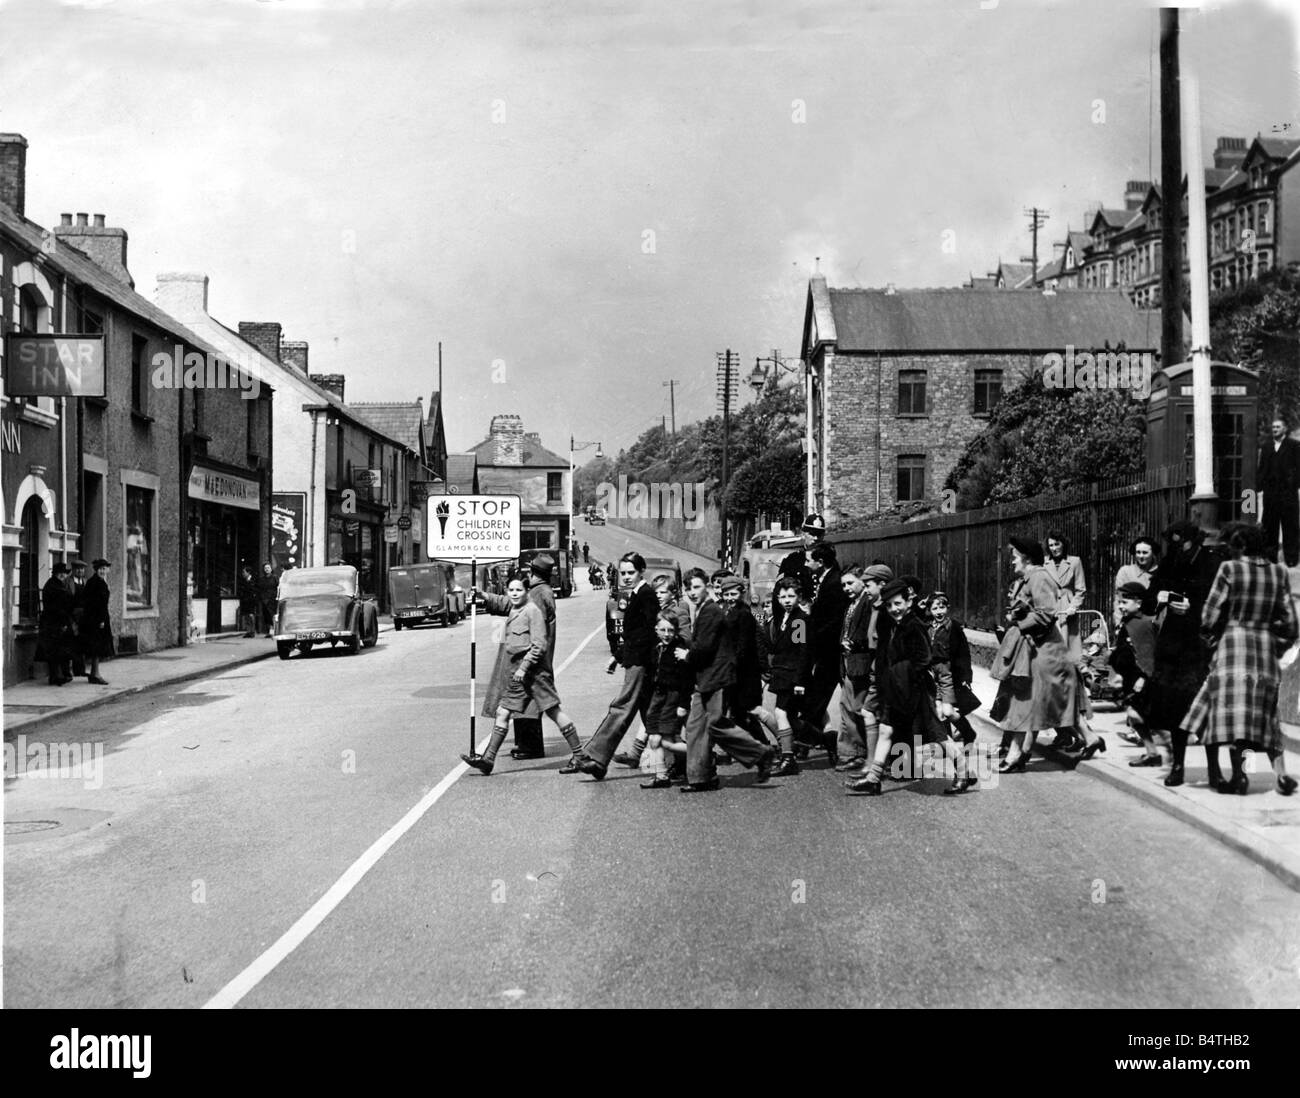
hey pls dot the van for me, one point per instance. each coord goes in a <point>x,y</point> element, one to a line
<point>421,593</point>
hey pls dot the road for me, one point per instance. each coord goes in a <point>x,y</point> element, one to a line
<point>231,806</point>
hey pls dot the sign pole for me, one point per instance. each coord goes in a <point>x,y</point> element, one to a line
<point>473,648</point>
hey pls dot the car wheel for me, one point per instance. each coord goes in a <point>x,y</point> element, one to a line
<point>372,638</point>
<point>283,649</point>
<point>353,643</point>
<point>397,626</point>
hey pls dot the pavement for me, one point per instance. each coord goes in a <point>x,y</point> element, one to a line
<point>1263,824</point>
<point>33,703</point>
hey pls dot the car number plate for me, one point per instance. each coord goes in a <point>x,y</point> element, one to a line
<point>313,635</point>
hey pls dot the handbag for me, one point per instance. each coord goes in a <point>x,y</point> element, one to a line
<point>967,700</point>
<point>1000,707</point>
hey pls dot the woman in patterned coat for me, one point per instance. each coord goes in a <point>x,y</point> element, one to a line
<point>1250,614</point>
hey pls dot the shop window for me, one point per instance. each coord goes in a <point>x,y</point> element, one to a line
<point>554,487</point>
<point>911,477</point>
<point>29,562</point>
<point>988,390</point>
<point>138,545</point>
<point>911,392</point>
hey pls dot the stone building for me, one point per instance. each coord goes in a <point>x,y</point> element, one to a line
<point>512,461</point>
<point>900,381</point>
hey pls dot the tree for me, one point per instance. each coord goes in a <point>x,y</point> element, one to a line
<point>770,483</point>
<point>1258,325</point>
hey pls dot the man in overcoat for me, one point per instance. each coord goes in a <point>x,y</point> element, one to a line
<point>1278,477</point>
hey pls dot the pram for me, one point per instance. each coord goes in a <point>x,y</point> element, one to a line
<point>1103,683</point>
<point>596,576</point>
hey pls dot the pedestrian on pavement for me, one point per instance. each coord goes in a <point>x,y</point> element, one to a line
<point>246,591</point>
<point>586,553</point>
<point>635,652</point>
<point>1139,571</point>
<point>712,658</point>
<point>1038,685</point>
<point>55,638</point>
<point>669,703</point>
<point>1072,586</point>
<point>856,651</point>
<point>77,588</point>
<point>950,648</point>
<point>268,592</point>
<point>1250,617</point>
<point>96,624</point>
<point>527,724</point>
<point>1278,478</point>
<point>1134,660</point>
<point>1182,659</point>
<point>826,618</point>
<point>783,645</point>
<point>915,694</point>
<point>795,563</point>
<point>521,676</point>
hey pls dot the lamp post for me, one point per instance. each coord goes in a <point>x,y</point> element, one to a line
<point>573,448</point>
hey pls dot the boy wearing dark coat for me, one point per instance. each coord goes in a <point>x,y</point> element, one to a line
<point>1134,660</point>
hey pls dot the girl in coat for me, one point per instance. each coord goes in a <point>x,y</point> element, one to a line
<point>520,676</point>
<point>913,692</point>
<point>1250,614</point>
<point>1039,687</point>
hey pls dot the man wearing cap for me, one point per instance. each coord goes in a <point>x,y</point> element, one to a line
<point>858,729</point>
<point>528,723</point>
<point>77,588</point>
<point>56,625</point>
<point>96,625</point>
<point>826,622</point>
<point>795,565</point>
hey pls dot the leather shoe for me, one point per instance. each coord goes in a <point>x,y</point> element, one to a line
<point>1147,760</point>
<point>97,680</point>
<point>592,767</point>
<point>519,753</point>
<point>1286,785</point>
<point>765,764</point>
<point>571,767</point>
<point>657,783</point>
<point>787,767</point>
<point>960,785</point>
<point>855,763</point>
<point>867,786</point>
<point>624,758</point>
<point>801,750</point>
<point>478,762</point>
<point>1174,777</point>
<point>701,787</point>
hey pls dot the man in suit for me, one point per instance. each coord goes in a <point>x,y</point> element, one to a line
<point>77,588</point>
<point>528,729</point>
<point>712,656</point>
<point>826,624</point>
<point>795,564</point>
<point>637,658</point>
<point>864,625</point>
<point>56,625</point>
<point>1278,477</point>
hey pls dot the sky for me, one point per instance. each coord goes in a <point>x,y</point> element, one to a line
<point>585,200</point>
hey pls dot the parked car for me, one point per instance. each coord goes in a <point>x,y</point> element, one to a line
<point>663,566</point>
<point>561,574</point>
<point>760,566</point>
<point>324,606</point>
<point>597,518</point>
<point>421,593</point>
<point>764,538</point>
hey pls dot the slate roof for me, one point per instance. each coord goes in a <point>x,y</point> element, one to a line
<point>1279,147</point>
<point>953,320</point>
<point>400,420</point>
<point>462,478</point>
<point>535,455</point>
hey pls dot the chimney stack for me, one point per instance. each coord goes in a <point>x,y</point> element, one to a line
<point>1230,152</point>
<point>1135,193</point>
<point>104,245</point>
<point>183,294</point>
<point>294,353</point>
<point>507,435</point>
<point>332,382</point>
<point>13,172</point>
<point>264,335</point>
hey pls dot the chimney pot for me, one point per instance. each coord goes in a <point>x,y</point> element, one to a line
<point>83,219</point>
<point>99,221</point>
<point>65,219</point>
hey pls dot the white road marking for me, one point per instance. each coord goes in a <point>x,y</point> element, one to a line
<point>291,939</point>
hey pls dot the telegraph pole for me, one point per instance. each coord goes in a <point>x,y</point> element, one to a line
<point>1037,218</point>
<point>728,367</point>
<point>672,403</point>
<point>1171,185</point>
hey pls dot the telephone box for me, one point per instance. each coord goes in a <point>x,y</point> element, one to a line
<point>1234,411</point>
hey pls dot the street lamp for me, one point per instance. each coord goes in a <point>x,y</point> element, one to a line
<point>776,365</point>
<point>573,448</point>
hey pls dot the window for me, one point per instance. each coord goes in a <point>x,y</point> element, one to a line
<point>29,562</point>
<point>1263,219</point>
<point>554,487</point>
<point>911,477</point>
<point>138,543</point>
<point>988,389</point>
<point>139,375</point>
<point>911,392</point>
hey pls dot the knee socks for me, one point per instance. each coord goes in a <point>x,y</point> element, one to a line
<point>494,744</point>
<point>570,733</point>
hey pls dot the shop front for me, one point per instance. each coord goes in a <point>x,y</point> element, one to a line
<point>358,540</point>
<point>225,533</point>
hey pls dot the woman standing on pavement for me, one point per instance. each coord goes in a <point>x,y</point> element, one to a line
<point>1039,686</point>
<point>1178,591</point>
<point>1250,615</point>
<point>520,676</point>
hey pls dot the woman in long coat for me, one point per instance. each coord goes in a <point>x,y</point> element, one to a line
<point>1178,591</point>
<point>1249,611</point>
<point>96,625</point>
<point>520,676</point>
<point>1039,686</point>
